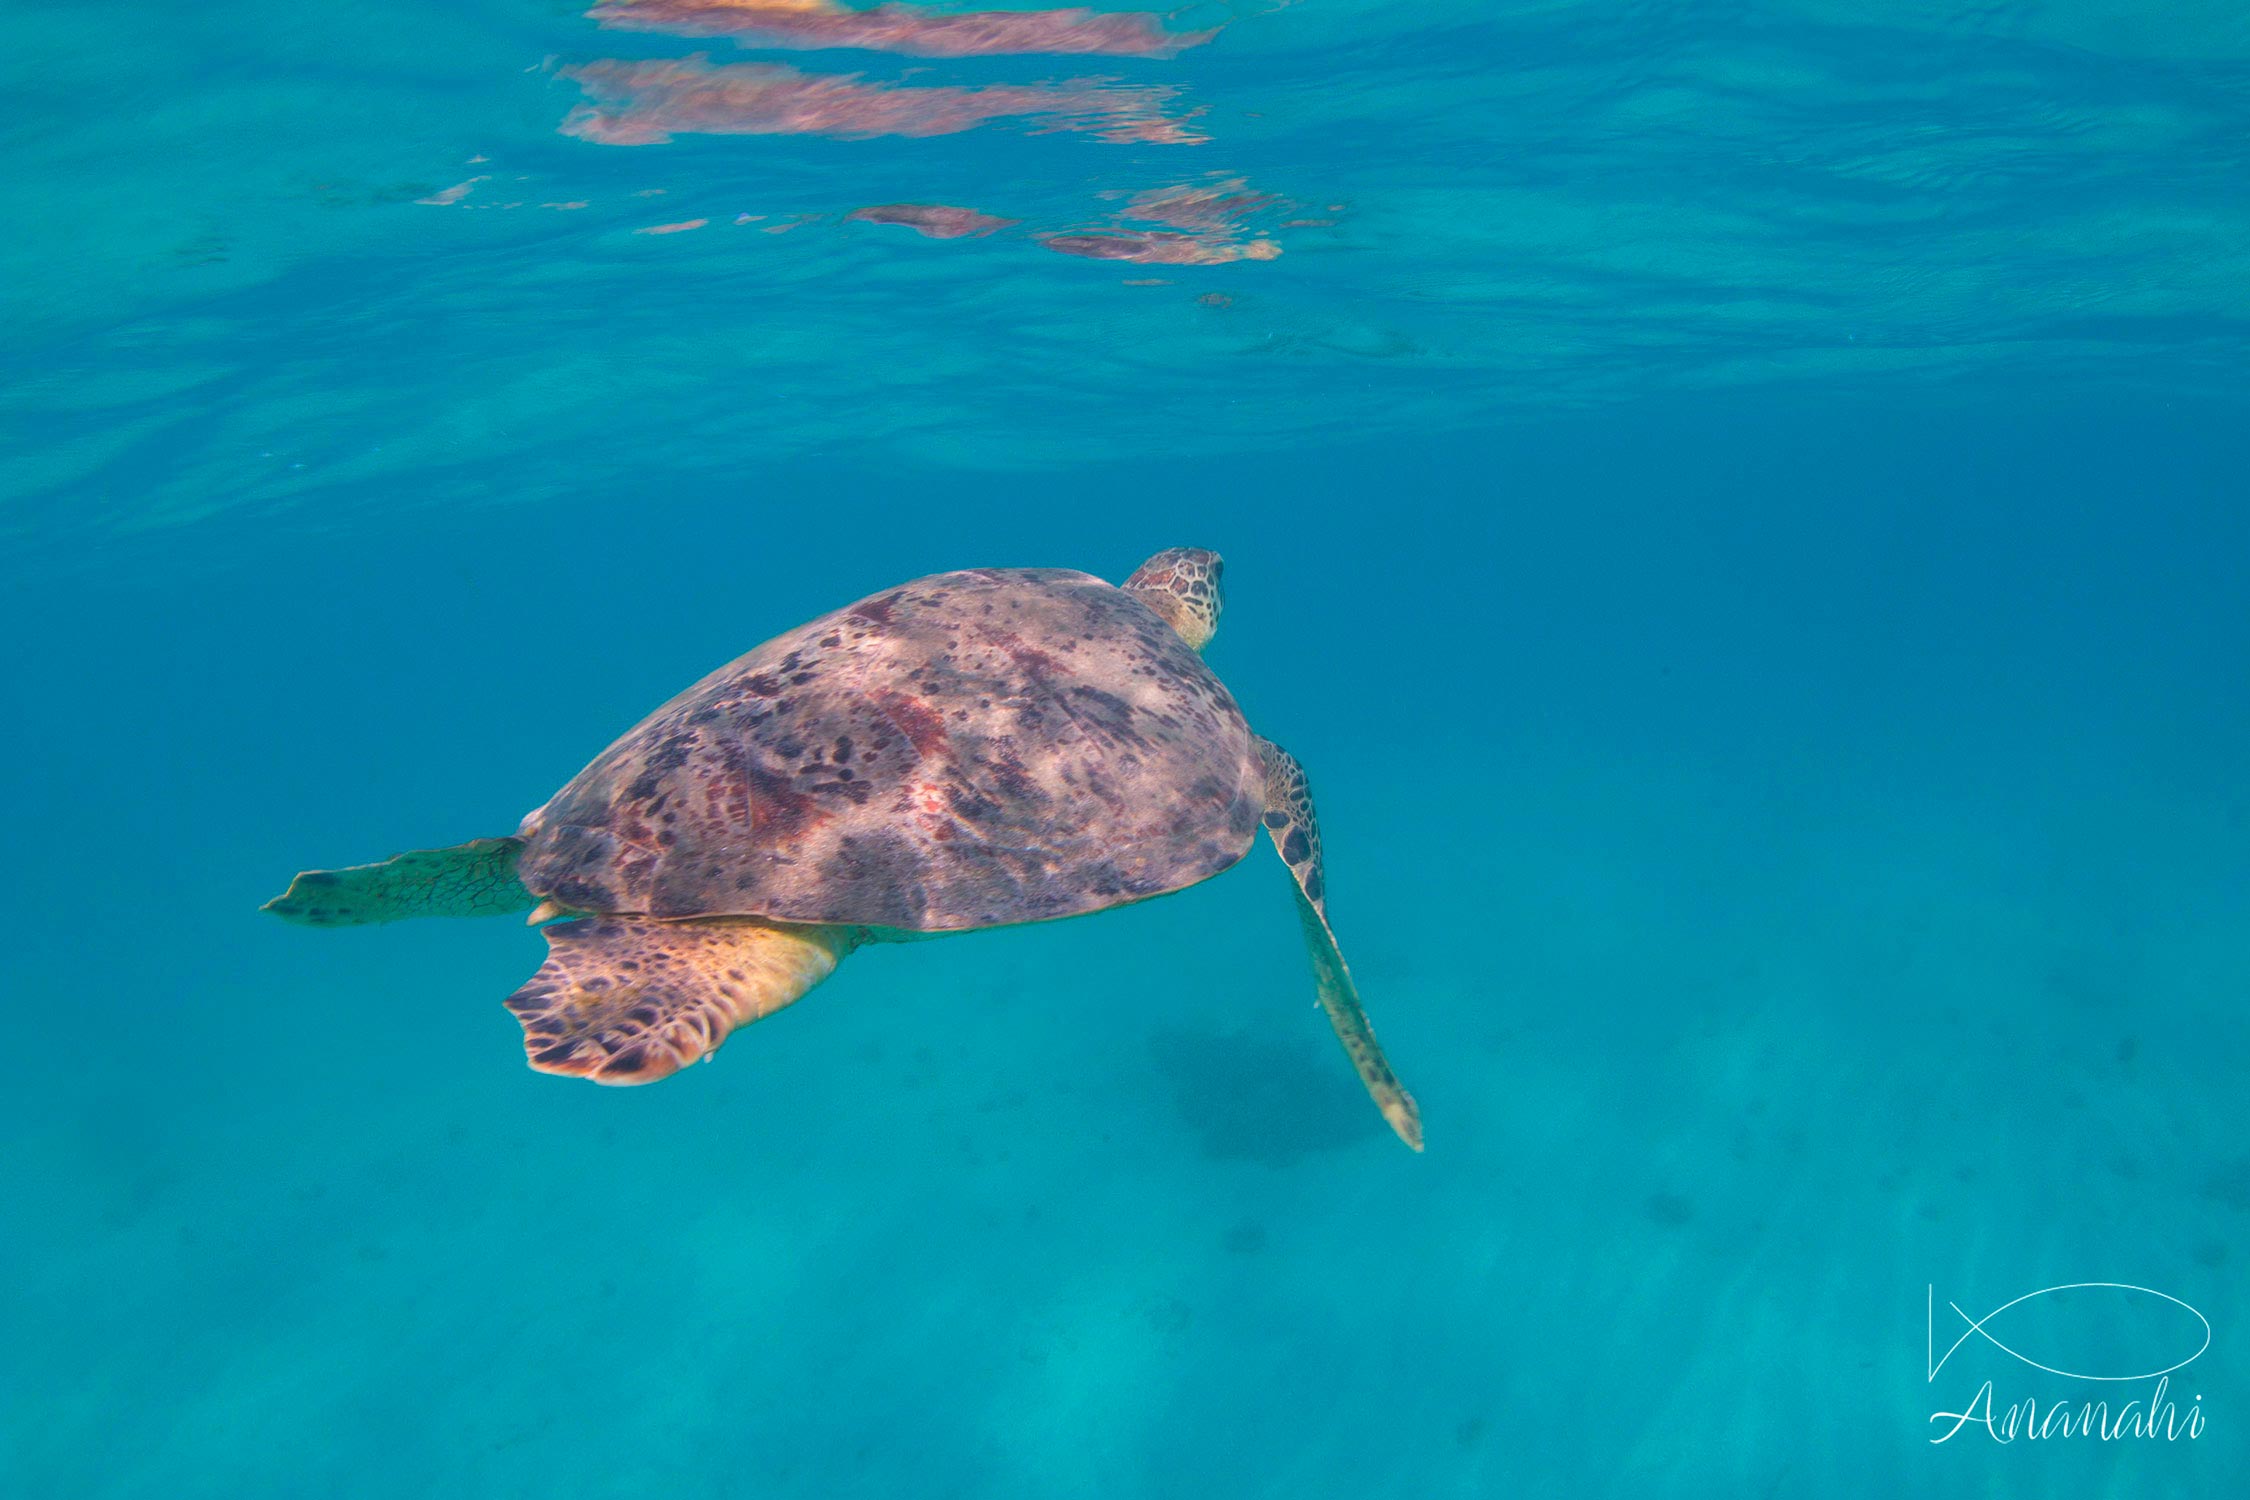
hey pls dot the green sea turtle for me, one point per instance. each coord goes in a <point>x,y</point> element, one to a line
<point>968,750</point>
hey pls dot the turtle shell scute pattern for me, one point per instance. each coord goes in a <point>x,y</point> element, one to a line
<point>968,750</point>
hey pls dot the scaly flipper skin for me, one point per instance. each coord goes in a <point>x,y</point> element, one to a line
<point>635,999</point>
<point>476,879</point>
<point>1296,834</point>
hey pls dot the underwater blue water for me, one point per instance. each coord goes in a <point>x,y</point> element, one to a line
<point>1739,508</point>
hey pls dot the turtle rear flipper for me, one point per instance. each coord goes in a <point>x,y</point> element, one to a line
<point>476,879</point>
<point>635,999</point>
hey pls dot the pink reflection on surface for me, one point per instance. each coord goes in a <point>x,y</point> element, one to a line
<point>910,30</point>
<point>647,103</point>
<point>1161,248</point>
<point>1206,226</point>
<point>939,221</point>
<point>1218,205</point>
<point>680,228</point>
<point>453,194</point>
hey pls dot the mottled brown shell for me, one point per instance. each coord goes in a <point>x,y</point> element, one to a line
<point>967,750</point>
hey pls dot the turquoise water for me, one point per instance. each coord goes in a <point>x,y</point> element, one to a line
<point>1738,507</point>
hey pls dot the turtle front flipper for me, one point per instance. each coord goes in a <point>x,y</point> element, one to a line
<point>476,879</point>
<point>635,999</point>
<point>1296,833</point>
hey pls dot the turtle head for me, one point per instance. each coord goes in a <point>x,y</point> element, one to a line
<point>1182,585</point>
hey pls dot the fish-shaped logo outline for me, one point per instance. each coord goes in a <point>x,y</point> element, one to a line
<point>1935,1362</point>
